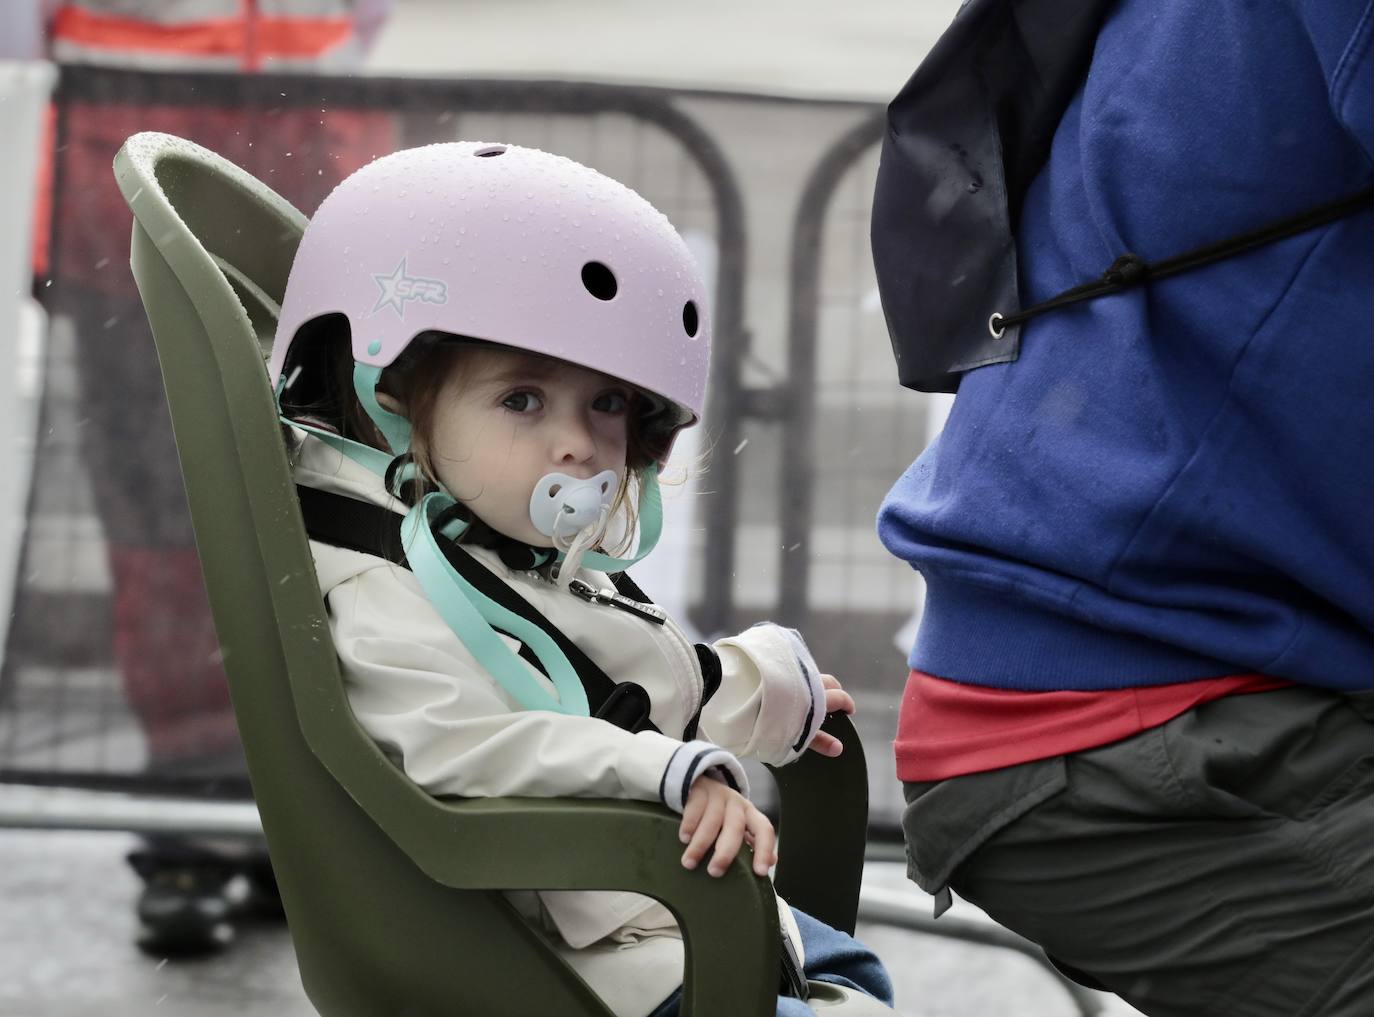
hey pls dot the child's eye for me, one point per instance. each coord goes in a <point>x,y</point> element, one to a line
<point>522,402</point>
<point>611,402</point>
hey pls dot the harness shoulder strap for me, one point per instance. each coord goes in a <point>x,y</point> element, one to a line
<point>707,657</point>
<point>358,526</point>
<point>348,523</point>
<point>627,587</point>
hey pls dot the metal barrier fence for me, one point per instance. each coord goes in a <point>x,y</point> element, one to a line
<point>110,674</point>
<point>110,677</point>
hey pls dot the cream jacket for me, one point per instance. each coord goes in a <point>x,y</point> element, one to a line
<point>454,730</point>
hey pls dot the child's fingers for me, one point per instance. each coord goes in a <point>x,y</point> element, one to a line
<point>729,839</point>
<point>705,834</point>
<point>826,744</point>
<point>691,814</point>
<point>838,701</point>
<point>761,834</point>
<point>829,681</point>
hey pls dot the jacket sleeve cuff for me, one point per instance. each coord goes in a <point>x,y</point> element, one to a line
<point>771,701</point>
<point>816,715</point>
<point>696,759</point>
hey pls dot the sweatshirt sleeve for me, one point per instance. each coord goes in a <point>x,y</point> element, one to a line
<point>418,692</point>
<point>770,703</point>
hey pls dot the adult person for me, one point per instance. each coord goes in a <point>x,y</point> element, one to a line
<point>1139,727</point>
<point>164,644</point>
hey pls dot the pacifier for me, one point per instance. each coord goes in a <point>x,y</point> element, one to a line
<point>562,506</point>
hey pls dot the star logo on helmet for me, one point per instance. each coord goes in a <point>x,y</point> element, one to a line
<point>398,289</point>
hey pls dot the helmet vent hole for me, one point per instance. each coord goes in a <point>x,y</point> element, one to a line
<point>599,280</point>
<point>487,153</point>
<point>690,321</point>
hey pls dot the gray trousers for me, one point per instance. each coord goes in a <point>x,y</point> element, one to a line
<point>1221,864</point>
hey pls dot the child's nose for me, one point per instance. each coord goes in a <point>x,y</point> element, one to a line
<point>575,442</point>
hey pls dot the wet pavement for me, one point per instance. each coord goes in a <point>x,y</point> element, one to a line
<point>67,942</point>
<point>67,949</point>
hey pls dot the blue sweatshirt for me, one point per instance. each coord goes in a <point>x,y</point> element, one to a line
<point>1174,482</point>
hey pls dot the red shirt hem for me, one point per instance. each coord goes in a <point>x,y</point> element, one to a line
<point>948,729</point>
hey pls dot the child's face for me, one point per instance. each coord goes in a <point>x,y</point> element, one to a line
<point>506,419</point>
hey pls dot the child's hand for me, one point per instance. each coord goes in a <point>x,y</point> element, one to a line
<point>837,700</point>
<point>716,813</point>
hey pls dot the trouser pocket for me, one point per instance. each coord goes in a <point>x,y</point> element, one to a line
<point>946,821</point>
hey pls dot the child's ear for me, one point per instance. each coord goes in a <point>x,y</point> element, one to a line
<point>390,403</point>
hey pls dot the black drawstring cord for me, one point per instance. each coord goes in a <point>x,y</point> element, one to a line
<point>1130,270</point>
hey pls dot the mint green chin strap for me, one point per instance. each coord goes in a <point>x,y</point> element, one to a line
<point>472,617</point>
<point>650,526</point>
<point>396,429</point>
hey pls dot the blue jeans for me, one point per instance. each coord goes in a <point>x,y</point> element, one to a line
<point>831,956</point>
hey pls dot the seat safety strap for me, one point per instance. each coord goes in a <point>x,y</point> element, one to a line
<point>707,656</point>
<point>370,529</point>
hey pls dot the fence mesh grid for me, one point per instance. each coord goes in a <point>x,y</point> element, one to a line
<point>110,674</point>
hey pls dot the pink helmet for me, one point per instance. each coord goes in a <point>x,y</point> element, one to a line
<point>510,245</point>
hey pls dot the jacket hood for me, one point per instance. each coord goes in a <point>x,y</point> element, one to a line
<point>325,468</point>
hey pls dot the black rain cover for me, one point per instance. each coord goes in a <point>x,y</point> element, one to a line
<point>965,137</point>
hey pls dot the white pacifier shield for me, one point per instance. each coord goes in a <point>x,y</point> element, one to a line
<point>562,505</point>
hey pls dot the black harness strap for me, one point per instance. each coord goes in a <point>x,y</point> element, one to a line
<point>370,529</point>
<point>346,522</point>
<point>627,587</point>
<point>706,654</point>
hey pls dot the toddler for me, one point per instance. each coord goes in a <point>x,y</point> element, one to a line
<point>484,355</point>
